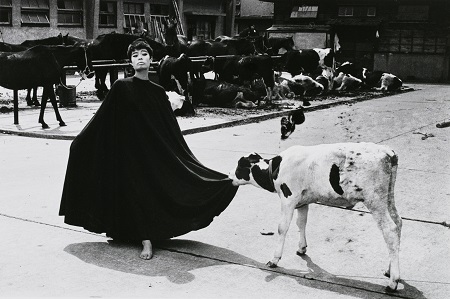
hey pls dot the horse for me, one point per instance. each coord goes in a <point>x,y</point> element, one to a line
<point>230,46</point>
<point>275,45</point>
<point>42,66</point>
<point>175,44</point>
<point>53,40</point>
<point>113,46</point>
<point>250,32</point>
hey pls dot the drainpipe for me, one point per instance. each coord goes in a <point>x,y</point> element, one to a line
<point>230,10</point>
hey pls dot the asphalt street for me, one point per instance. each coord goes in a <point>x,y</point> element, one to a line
<point>40,256</point>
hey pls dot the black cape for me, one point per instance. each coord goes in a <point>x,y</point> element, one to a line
<point>131,175</point>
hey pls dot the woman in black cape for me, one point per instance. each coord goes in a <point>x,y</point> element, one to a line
<point>130,172</point>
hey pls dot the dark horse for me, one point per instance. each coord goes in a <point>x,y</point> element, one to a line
<point>175,44</point>
<point>53,40</point>
<point>41,66</point>
<point>245,43</point>
<point>113,46</point>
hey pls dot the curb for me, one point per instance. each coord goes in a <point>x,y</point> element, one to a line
<point>249,120</point>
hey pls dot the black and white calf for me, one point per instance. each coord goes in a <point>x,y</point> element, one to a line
<point>341,174</point>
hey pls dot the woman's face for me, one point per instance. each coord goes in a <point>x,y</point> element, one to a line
<point>140,59</point>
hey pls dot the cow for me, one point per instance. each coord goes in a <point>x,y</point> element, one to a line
<point>390,82</point>
<point>243,70</point>
<point>307,61</point>
<point>341,174</point>
<point>170,68</point>
<point>308,84</point>
<point>296,85</point>
<point>347,82</point>
<point>222,94</point>
<point>371,79</point>
<point>326,79</point>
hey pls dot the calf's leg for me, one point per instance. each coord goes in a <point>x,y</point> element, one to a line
<point>287,211</point>
<point>302,218</point>
<point>391,234</point>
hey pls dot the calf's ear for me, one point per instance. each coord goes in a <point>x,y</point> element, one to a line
<point>244,163</point>
<point>254,158</point>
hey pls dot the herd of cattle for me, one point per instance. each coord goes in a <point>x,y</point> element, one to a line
<point>245,80</point>
<point>241,71</point>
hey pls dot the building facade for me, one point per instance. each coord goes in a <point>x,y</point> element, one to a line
<point>32,19</point>
<point>409,37</point>
<point>253,12</point>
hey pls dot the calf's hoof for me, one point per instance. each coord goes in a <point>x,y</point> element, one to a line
<point>301,251</point>
<point>271,264</point>
<point>44,125</point>
<point>391,288</point>
<point>62,124</point>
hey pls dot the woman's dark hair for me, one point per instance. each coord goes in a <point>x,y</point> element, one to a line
<point>139,44</point>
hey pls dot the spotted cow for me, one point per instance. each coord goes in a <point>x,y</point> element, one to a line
<point>341,174</point>
<point>380,80</point>
<point>346,82</point>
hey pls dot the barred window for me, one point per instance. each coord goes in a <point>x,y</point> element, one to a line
<point>413,12</point>
<point>108,14</point>
<point>5,12</point>
<point>70,12</point>
<point>35,13</point>
<point>133,13</point>
<point>413,41</point>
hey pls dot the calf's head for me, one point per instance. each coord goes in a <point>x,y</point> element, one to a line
<point>242,175</point>
<point>253,169</point>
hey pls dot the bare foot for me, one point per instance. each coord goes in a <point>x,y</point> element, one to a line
<point>147,252</point>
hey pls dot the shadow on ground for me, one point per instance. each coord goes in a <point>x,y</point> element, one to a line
<point>175,259</point>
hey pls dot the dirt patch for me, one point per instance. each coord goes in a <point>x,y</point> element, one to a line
<point>331,98</point>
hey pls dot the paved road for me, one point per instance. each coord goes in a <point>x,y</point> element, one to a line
<point>40,256</point>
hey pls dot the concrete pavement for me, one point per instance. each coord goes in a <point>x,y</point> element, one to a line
<point>40,256</point>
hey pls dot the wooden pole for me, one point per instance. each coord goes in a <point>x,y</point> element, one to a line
<point>16,107</point>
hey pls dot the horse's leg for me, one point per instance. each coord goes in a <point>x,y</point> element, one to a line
<point>100,78</point>
<point>52,96</point>
<point>28,98</point>
<point>35,100</point>
<point>43,105</point>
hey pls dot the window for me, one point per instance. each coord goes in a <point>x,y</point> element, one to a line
<point>371,11</point>
<point>70,12</point>
<point>108,14</point>
<point>304,12</point>
<point>345,11</point>
<point>5,12</point>
<point>133,14</point>
<point>203,30</point>
<point>35,13</point>
<point>159,10</point>
<point>201,27</point>
<point>413,41</point>
<point>413,12</point>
